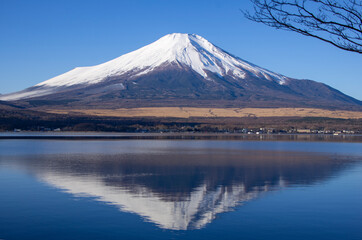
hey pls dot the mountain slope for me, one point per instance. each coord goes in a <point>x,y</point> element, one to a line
<point>180,70</point>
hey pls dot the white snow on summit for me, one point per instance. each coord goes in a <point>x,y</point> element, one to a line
<point>187,49</point>
<point>184,49</point>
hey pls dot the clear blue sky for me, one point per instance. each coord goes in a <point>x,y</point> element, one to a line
<point>42,39</point>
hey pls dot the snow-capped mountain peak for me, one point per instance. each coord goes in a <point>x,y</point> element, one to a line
<point>184,49</point>
<point>178,70</point>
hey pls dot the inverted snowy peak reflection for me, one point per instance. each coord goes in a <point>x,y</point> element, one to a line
<point>182,191</point>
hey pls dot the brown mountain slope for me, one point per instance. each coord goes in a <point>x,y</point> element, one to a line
<point>172,86</point>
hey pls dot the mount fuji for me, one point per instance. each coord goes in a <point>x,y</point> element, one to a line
<point>179,70</point>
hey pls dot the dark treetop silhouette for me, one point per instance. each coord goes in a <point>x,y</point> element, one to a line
<point>336,22</point>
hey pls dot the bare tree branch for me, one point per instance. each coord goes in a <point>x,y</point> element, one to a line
<point>337,22</point>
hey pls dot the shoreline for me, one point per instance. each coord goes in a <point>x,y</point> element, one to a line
<point>178,136</point>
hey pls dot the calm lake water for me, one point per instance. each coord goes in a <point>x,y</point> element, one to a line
<point>180,189</point>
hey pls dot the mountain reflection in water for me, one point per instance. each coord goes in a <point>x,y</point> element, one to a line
<point>180,189</point>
